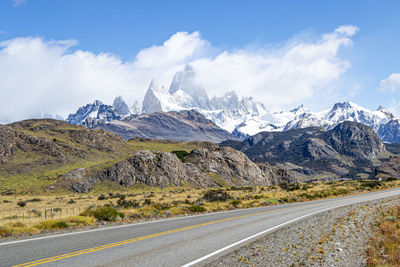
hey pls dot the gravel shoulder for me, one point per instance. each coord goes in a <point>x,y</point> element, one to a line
<point>337,237</point>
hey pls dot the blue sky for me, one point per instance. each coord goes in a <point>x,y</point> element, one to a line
<point>122,29</point>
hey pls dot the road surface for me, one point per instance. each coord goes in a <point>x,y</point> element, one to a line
<point>189,241</point>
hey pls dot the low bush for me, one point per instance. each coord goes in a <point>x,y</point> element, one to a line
<point>290,187</point>
<point>147,201</point>
<point>102,197</point>
<point>123,203</point>
<point>216,195</point>
<point>197,208</point>
<point>52,225</point>
<point>161,206</point>
<point>21,203</point>
<point>105,213</point>
<point>236,202</point>
<point>181,154</point>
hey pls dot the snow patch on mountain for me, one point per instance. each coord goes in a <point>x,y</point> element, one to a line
<point>242,117</point>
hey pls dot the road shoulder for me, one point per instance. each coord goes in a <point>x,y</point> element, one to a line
<point>337,237</point>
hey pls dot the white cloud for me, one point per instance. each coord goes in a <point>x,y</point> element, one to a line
<point>19,2</point>
<point>280,77</point>
<point>40,76</point>
<point>391,83</point>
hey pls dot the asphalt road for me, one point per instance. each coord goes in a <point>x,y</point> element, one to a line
<point>190,240</point>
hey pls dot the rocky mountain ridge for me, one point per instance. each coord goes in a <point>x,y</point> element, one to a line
<point>347,151</point>
<point>242,117</point>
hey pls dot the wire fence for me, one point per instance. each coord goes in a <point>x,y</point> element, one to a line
<point>39,215</point>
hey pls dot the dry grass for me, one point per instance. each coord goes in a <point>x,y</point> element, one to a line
<point>384,249</point>
<point>142,202</point>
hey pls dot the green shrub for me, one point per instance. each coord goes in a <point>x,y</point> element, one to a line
<point>216,195</point>
<point>290,187</point>
<point>102,197</point>
<point>147,201</point>
<point>236,202</point>
<point>52,225</point>
<point>123,203</point>
<point>105,213</point>
<point>161,206</point>
<point>197,208</point>
<point>285,199</point>
<point>21,203</point>
<point>181,154</point>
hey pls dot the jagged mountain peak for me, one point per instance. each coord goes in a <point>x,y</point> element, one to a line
<point>136,108</point>
<point>120,106</point>
<point>300,109</point>
<point>385,111</point>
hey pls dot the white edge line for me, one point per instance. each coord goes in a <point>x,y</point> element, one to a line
<point>264,232</point>
<point>139,223</point>
<point>179,218</point>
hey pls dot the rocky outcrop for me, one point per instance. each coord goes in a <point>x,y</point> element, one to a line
<point>7,143</point>
<point>347,151</point>
<point>276,174</point>
<point>159,169</point>
<point>231,165</point>
<point>207,166</point>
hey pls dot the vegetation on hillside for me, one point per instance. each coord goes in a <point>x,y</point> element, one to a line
<point>47,149</point>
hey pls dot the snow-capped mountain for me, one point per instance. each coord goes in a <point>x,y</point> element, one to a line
<point>340,112</point>
<point>242,117</point>
<point>227,111</point>
<point>91,114</point>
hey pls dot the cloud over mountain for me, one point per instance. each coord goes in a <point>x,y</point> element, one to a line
<point>47,76</point>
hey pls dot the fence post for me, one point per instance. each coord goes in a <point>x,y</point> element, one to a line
<point>60,213</point>
<point>52,214</point>
<point>45,214</point>
<point>66,209</point>
<point>10,216</point>
<point>23,217</point>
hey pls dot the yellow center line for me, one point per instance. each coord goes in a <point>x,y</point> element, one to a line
<point>128,241</point>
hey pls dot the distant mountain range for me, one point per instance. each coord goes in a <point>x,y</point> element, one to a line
<point>241,117</point>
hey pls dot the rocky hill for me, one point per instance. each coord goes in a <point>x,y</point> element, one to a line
<point>206,166</point>
<point>346,151</point>
<point>34,152</point>
<point>40,155</point>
